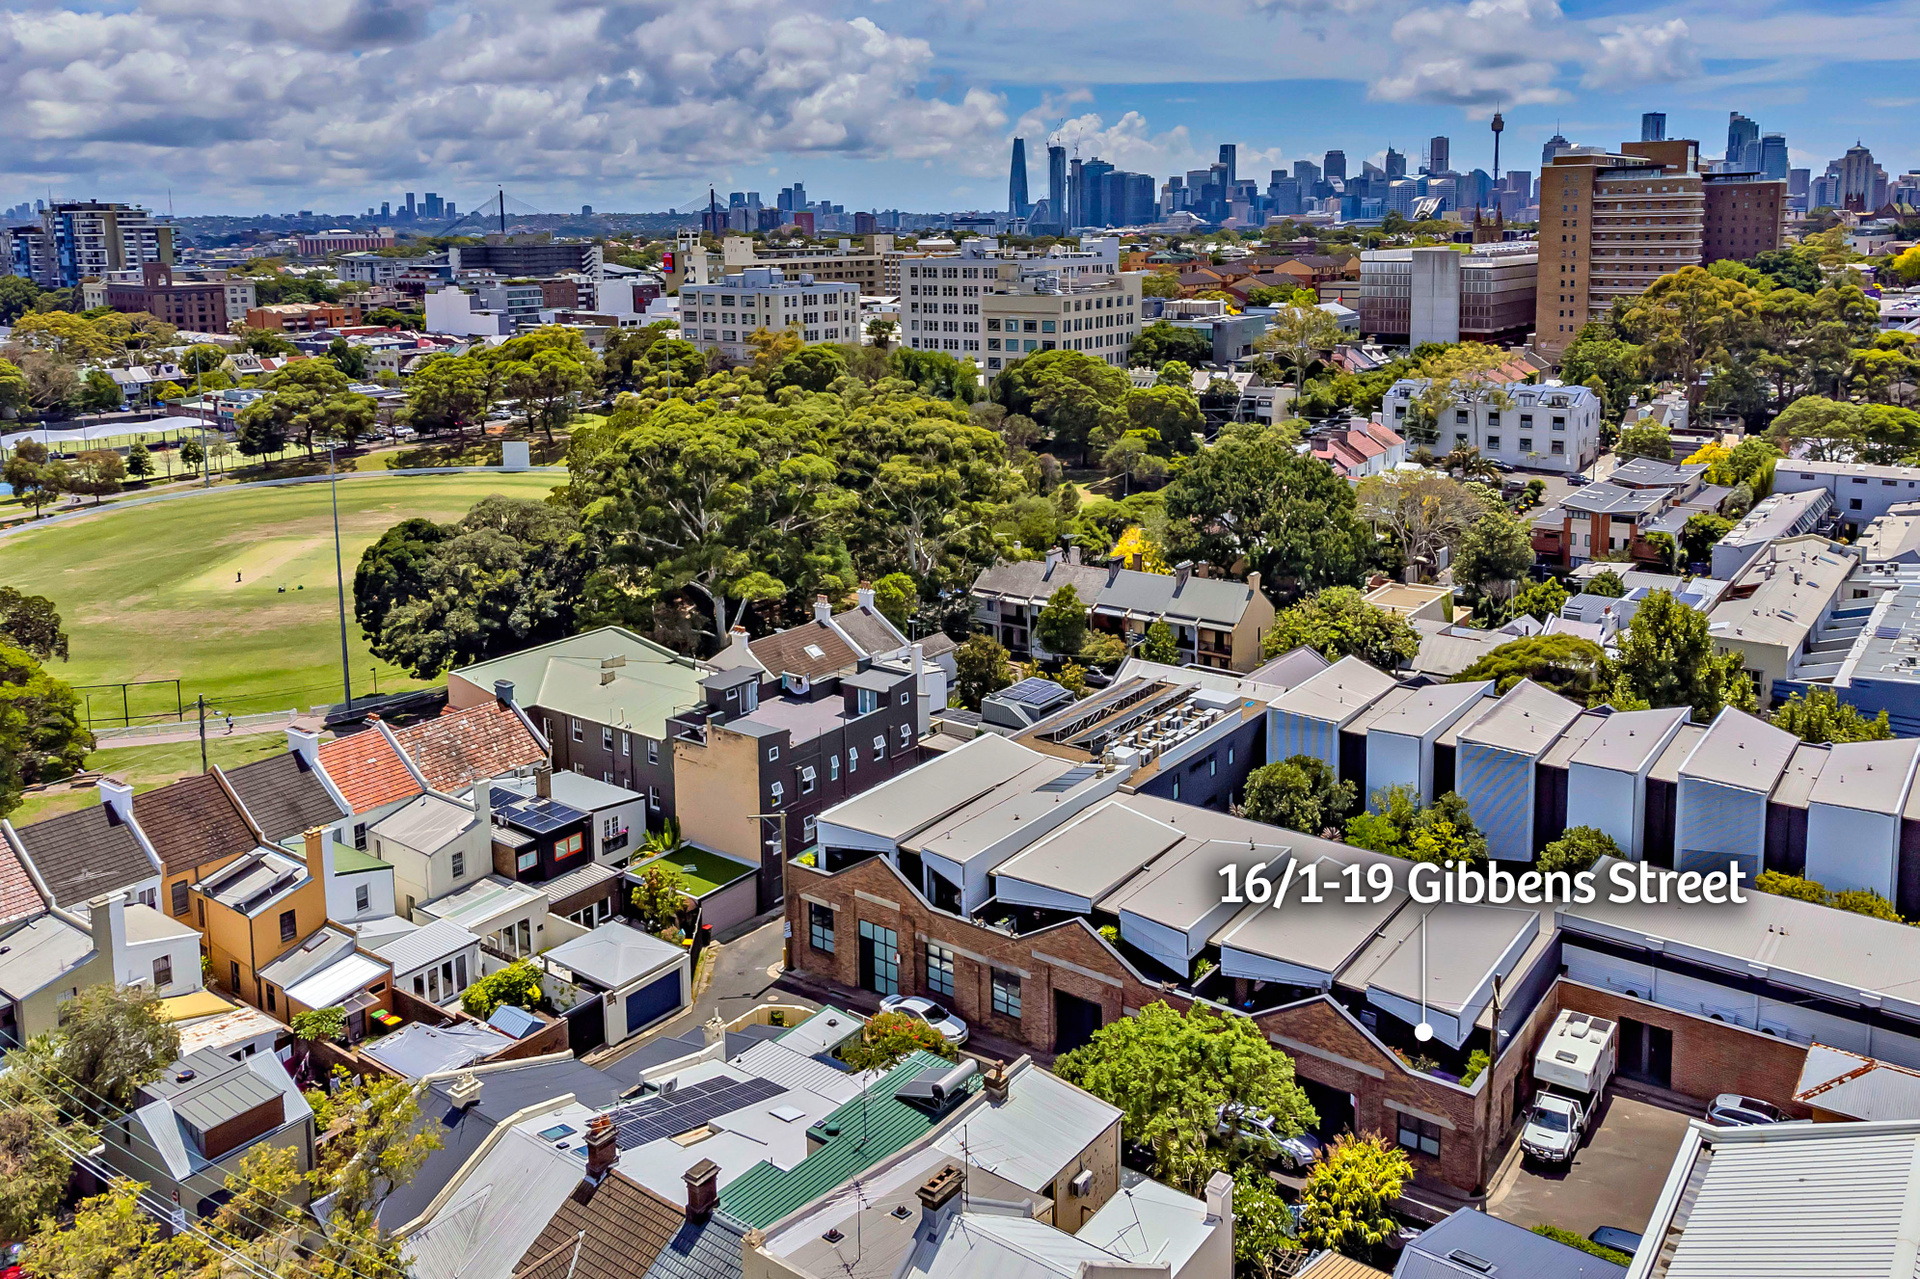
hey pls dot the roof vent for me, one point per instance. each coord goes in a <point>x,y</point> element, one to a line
<point>1471,1262</point>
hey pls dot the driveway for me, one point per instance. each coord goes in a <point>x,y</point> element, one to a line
<point>1613,1181</point>
<point>744,972</point>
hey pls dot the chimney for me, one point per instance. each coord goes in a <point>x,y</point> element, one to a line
<point>822,610</point>
<point>503,693</point>
<point>1181,572</point>
<point>602,1151</point>
<point>465,1092</point>
<point>865,594</point>
<point>940,1188</point>
<point>1073,555</point>
<point>304,744</point>
<point>703,1190</point>
<point>543,780</point>
<point>1053,560</point>
<point>1219,1195</point>
<point>108,918</point>
<point>1253,582</point>
<point>316,837</point>
<point>999,1084</point>
<point>118,797</point>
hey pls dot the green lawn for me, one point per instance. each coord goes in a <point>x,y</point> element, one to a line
<point>232,592</point>
<point>145,767</point>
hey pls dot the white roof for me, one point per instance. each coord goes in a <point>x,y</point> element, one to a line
<point>615,954</point>
<point>1028,1139</point>
<point>336,981</point>
<point>1338,693</point>
<point>424,946</point>
<point>1150,1224</point>
<point>238,1026</point>
<point>495,1212</point>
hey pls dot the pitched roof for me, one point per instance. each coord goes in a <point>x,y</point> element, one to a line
<point>367,770</point>
<point>460,747</point>
<point>870,631</point>
<point>283,794</point>
<point>812,649</point>
<point>571,677</point>
<point>82,854</point>
<point>18,896</point>
<point>613,1230</point>
<point>192,823</point>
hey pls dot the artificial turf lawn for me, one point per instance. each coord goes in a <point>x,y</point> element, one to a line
<point>150,593</point>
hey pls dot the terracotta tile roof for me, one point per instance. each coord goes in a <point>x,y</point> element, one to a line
<point>283,794</point>
<point>812,649</point>
<point>461,747</point>
<point>18,896</point>
<point>192,822</point>
<point>613,1230</point>
<point>367,771</point>
<point>83,854</point>
<point>1386,435</point>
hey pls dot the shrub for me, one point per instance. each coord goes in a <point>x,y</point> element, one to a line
<point>1587,1246</point>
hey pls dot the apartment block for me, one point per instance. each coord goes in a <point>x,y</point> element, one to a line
<point>74,241</point>
<point>944,299</point>
<point>1444,295</point>
<point>1101,318</point>
<point>863,266</point>
<point>201,306</point>
<point>721,317</point>
<point>1540,428</point>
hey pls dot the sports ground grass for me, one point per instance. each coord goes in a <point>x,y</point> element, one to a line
<point>147,766</point>
<point>230,592</point>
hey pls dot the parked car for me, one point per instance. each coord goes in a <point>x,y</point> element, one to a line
<point>951,1028</point>
<point>1578,478</point>
<point>1616,1238</point>
<point>1731,1110</point>
<point>1256,1126</point>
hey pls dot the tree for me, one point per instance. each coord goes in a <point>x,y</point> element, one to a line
<point>310,400</point>
<point>1168,414</point>
<point>314,1025</point>
<point>1062,625</point>
<point>881,331</point>
<point>1300,792</point>
<point>1160,644</point>
<point>1458,376</point>
<point>348,358</point>
<point>1161,284</point>
<point>1606,582</point>
<point>980,667</point>
<point>549,371</point>
<point>889,1038</point>
<point>1172,1073</point>
<point>1160,343</point>
<point>1297,336</point>
<point>1839,431</point>
<point>1647,438</point>
<point>811,368</point>
<point>1338,622</point>
<point>41,736</point>
<point>896,596</point>
<point>33,479</point>
<point>1264,1243</point>
<point>659,897</point>
<point>1687,321</point>
<point>139,461</point>
<point>1495,554</point>
<point>1599,358</point>
<point>1251,498</point>
<point>1541,600</point>
<point>114,1039</point>
<point>376,1142</point>
<point>202,357</point>
<point>31,622</point>
<point>17,296</point>
<point>1667,658</point>
<point>448,393</point>
<point>99,393</point>
<point>1422,511</point>
<point>1821,716</point>
<point>1347,1204</point>
<point>35,1145</point>
<point>517,984</point>
<point>508,574</point>
<point>1078,399</point>
<point>15,390</point>
<point>1701,531</point>
<point>107,1238</point>
<point>1568,664</point>
<point>97,473</point>
<point>1399,827</point>
<point>1577,849</point>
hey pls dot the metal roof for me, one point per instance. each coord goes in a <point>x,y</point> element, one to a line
<point>1870,776</point>
<point>1338,693</point>
<point>419,1049</point>
<point>1740,750</point>
<point>648,684</point>
<point>614,954</point>
<point>1629,741</point>
<point>1040,1129</point>
<point>425,945</point>
<point>1090,856</point>
<point>1417,714</point>
<point>429,823</point>
<point>1456,1247</point>
<point>1857,1086</point>
<point>912,801</point>
<point>1526,720</point>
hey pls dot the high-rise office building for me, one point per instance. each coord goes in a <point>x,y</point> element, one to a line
<point>1017,203</point>
<point>1139,200</point>
<point>1093,206</point>
<point>1283,193</point>
<point>1653,126</point>
<point>1335,167</point>
<point>1773,156</point>
<point>1555,145</point>
<point>1439,155</point>
<point>1396,164</point>
<point>1076,193</point>
<point>1057,184</point>
<point>1863,183</point>
<point>1743,144</point>
<point>1230,159</point>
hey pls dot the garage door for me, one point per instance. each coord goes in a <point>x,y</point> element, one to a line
<point>653,1001</point>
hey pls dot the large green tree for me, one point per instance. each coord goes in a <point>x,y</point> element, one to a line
<point>1300,792</point>
<point>448,393</point>
<point>1568,664</point>
<point>1495,554</point>
<point>1160,342</point>
<point>32,622</point>
<point>1338,622</point>
<point>1667,658</point>
<point>1350,1194</point>
<point>1688,320</point>
<point>41,734</point>
<point>1820,716</point>
<point>1062,625</point>
<point>980,667</point>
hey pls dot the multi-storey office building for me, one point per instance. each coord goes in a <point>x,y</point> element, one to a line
<point>1443,295</point>
<point>74,241</point>
<point>1098,316</point>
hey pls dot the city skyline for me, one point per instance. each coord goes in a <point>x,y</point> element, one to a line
<point>598,104</point>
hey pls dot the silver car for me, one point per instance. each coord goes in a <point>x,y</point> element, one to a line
<point>1732,1110</point>
<point>951,1028</point>
<point>1292,1153</point>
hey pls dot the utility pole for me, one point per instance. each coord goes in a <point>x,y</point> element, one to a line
<point>339,574</point>
<point>201,702</point>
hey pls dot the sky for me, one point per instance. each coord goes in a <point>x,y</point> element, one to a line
<point>245,106</point>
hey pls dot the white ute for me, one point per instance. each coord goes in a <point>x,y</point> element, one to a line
<point>1574,1063</point>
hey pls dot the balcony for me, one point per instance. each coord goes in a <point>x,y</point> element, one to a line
<point>615,842</point>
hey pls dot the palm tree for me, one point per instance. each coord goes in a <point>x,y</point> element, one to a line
<point>1468,463</point>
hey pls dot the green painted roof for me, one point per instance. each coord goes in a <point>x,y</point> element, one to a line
<point>863,1132</point>
<point>347,859</point>
<point>701,871</point>
<point>572,677</point>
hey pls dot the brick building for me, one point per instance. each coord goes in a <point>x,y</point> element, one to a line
<point>201,306</point>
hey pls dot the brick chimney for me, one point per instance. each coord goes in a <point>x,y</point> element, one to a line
<point>939,1189</point>
<point>543,780</point>
<point>317,859</point>
<point>998,1084</point>
<point>602,1150</point>
<point>503,693</point>
<point>703,1190</point>
<point>822,609</point>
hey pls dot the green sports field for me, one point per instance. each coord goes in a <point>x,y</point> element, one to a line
<point>232,592</point>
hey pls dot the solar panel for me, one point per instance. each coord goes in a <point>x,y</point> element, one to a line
<point>1032,691</point>
<point>658,1118</point>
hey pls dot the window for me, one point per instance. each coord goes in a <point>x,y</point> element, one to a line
<point>179,898</point>
<point>879,745</point>
<point>362,897</point>
<point>163,972</point>
<point>1493,441</point>
<point>653,751</point>
<point>939,965</point>
<point>1526,444</point>
<point>289,926</point>
<point>233,975</point>
<point>579,734</point>
<point>866,701</point>
<point>272,1004</point>
<point>569,846</point>
<point>459,862</point>
<point>773,753</point>
<point>853,752</point>
<point>606,739</point>
<point>1418,1134</point>
<point>809,829</point>
<point>526,861</point>
<point>653,798</point>
<point>807,776</point>
<point>626,743</point>
<point>776,794</point>
<point>360,836</point>
<point>906,736</point>
<point>906,696</point>
<point>833,768</point>
<point>820,927</point>
<point>1006,993</point>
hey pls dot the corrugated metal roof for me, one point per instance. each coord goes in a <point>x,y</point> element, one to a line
<point>1857,1086</point>
<point>863,1132</point>
<point>425,945</point>
<point>1526,720</point>
<point>1040,1129</point>
<point>1514,1251</point>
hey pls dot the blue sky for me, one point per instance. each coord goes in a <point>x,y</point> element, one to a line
<point>231,105</point>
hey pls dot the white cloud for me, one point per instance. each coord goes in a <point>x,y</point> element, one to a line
<point>1644,53</point>
<point>342,94</point>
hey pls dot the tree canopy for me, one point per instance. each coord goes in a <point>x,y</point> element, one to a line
<point>1300,792</point>
<point>1820,716</point>
<point>1338,622</point>
<point>41,733</point>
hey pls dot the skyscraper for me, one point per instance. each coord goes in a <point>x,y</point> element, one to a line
<point>1017,204</point>
<point>1439,155</point>
<point>1230,157</point>
<point>1773,155</point>
<point>1057,184</point>
<point>1743,143</point>
<point>1335,167</point>
<point>1653,126</point>
<point>1093,205</point>
<point>1863,183</point>
<point>1396,164</point>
